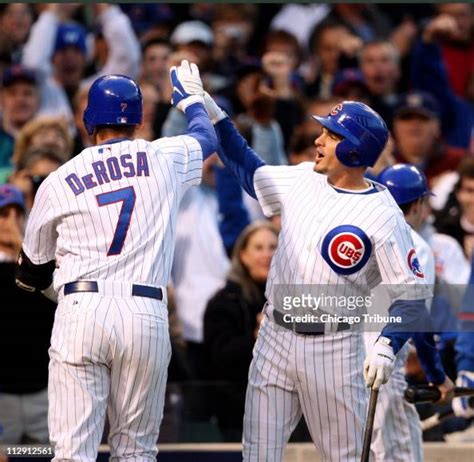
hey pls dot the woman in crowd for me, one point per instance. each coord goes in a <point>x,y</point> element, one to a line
<point>231,324</point>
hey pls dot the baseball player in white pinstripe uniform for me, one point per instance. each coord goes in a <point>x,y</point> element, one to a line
<point>342,233</point>
<point>106,220</point>
<point>397,435</point>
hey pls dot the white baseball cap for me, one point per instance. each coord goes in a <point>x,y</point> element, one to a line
<point>192,31</point>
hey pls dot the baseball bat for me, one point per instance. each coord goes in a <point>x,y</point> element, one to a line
<point>431,394</point>
<point>369,425</point>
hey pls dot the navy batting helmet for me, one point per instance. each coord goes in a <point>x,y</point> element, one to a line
<point>364,133</point>
<point>113,100</point>
<point>405,182</point>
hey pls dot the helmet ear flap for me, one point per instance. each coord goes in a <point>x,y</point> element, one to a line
<point>347,154</point>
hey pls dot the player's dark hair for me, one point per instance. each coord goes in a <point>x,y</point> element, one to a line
<point>406,207</point>
<point>125,130</point>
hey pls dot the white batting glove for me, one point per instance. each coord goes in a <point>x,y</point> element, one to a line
<point>379,364</point>
<point>461,405</point>
<point>187,85</point>
<point>213,110</point>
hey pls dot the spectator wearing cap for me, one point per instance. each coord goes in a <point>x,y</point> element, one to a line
<point>417,135</point>
<point>56,48</point>
<point>24,315</point>
<point>20,101</point>
<point>430,73</point>
<point>197,38</point>
<point>349,85</point>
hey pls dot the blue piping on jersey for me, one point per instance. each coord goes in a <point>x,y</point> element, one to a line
<point>114,140</point>
<point>372,190</point>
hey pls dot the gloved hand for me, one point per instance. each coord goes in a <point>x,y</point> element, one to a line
<point>187,85</point>
<point>213,110</point>
<point>379,364</point>
<point>461,405</point>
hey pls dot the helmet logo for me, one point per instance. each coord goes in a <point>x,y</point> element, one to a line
<point>336,109</point>
<point>123,106</point>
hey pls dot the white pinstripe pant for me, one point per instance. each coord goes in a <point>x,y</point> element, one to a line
<point>107,353</point>
<point>319,376</point>
<point>397,435</point>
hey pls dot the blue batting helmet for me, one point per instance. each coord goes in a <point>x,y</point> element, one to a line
<point>405,182</point>
<point>364,133</point>
<point>113,100</point>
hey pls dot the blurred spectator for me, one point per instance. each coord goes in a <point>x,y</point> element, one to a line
<point>24,315</point>
<point>302,147</point>
<point>79,103</point>
<point>330,41</point>
<point>349,85</point>
<point>231,324</point>
<point>300,20</point>
<point>457,43</point>
<point>155,70</point>
<point>380,64</point>
<point>199,262</point>
<point>364,20</point>
<point>20,101</point>
<point>429,72</point>
<point>57,49</point>
<point>151,98</point>
<point>36,164</point>
<point>48,133</point>
<point>152,19</point>
<point>256,122</point>
<point>233,28</point>
<point>15,24</point>
<point>417,135</point>
<point>458,220</point>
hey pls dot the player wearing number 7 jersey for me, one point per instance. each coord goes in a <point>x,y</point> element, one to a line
<point>106,220</point>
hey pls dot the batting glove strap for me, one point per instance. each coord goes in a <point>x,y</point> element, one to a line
<point>461,405</point>
<point>379,364</point>
<point>216,114</point>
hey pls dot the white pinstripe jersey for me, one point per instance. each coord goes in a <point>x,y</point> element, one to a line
<point>347,242</point>
<point>110,212</point>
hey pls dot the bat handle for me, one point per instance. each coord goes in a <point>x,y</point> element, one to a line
<point>369,426</point>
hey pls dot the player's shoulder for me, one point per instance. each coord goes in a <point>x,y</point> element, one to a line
<point>285,171</point>
<point>170,144</point>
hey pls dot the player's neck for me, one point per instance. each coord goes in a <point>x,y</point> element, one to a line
<point>103,136</point>
<point>351,180</point>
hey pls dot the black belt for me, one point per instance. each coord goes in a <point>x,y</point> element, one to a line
<point>92,286</point>
<point>315,328</point>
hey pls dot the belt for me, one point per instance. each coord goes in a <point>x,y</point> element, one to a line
<point>92,286</point>
<point>315,328</point>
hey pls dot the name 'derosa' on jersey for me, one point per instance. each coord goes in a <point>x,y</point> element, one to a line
<point>111,169</point>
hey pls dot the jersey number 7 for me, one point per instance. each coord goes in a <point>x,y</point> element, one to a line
<point>127,197</point>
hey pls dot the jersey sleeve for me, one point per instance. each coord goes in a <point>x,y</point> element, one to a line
<point>40,237</point>
<point>272,183</point>
<point>185,153</point>
<point>401,274</point>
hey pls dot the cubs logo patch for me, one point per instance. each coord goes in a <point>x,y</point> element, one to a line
<point>336,109</point>
<point>346,249</point>
<point>414,264</point>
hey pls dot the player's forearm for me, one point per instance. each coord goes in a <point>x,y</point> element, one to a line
<point>200,128</point>
<point>429,357</point>
<point>414,318</point>
<point>236,154</point>
<point>30,276</point>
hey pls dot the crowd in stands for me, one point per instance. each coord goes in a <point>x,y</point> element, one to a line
<point>270,66</point>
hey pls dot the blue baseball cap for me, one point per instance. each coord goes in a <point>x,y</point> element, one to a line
<point>70,35</point>
<point>11,195</point>
<point>418,102</point>
<point>18,73</point>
